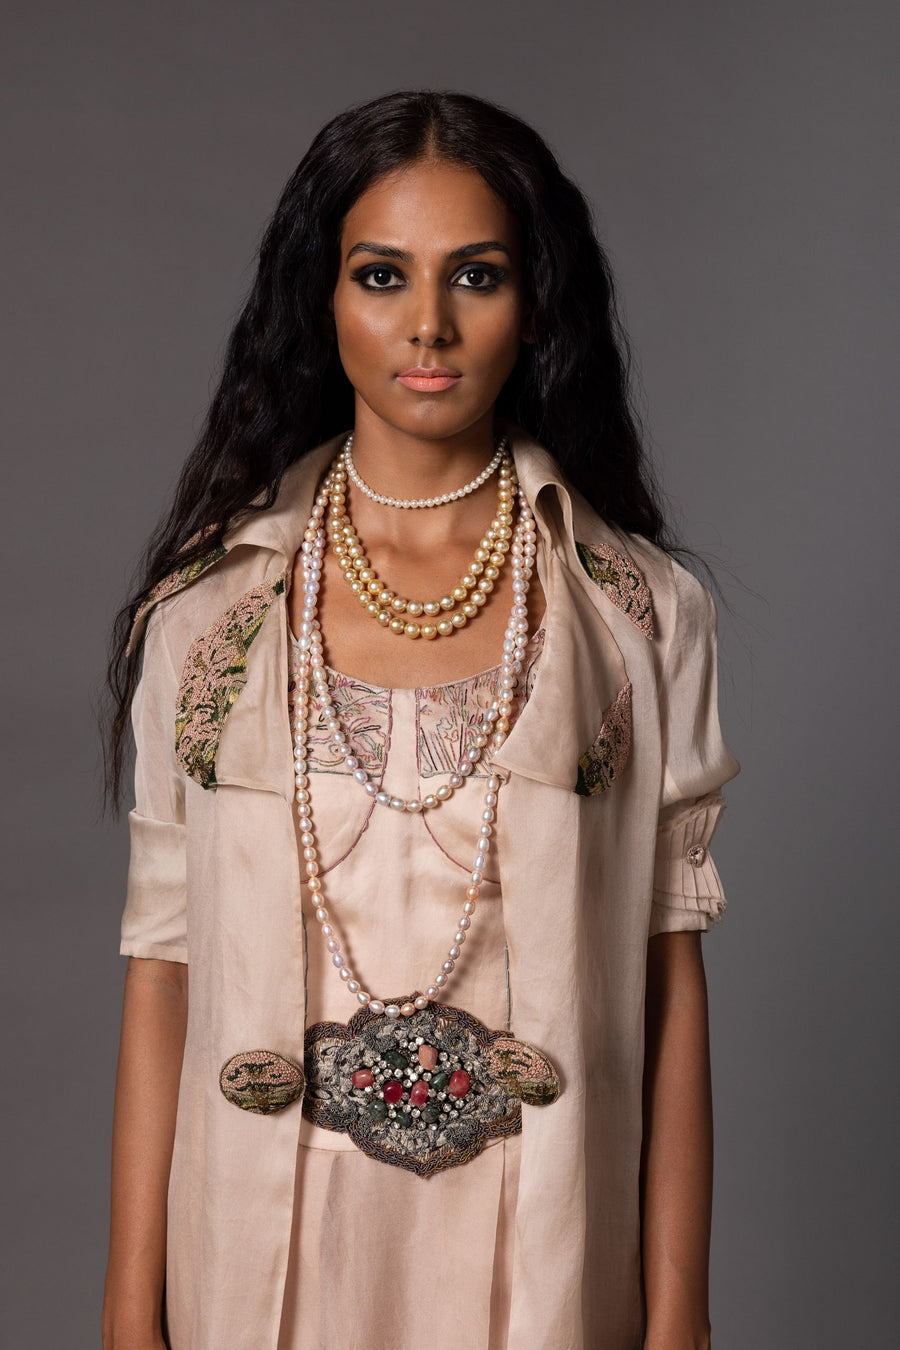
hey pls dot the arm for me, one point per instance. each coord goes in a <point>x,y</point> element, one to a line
<point>677,1153</point>
<point>154,1021</point>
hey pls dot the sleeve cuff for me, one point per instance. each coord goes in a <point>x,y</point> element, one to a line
<point>687,888</point>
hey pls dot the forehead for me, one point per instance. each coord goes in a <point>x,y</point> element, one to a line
<point>438,204</point>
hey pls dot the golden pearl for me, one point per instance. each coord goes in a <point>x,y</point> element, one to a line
<point>374,586</point>
<point>459,592</point>
<point>478,598</point>
<point>469,610</point>
<point>468,581</point>
<point>398,604</point>
<point>432,607</point>
<point>384,617</point>
<point>496,560</point>
<point>356,587</point>
<point>491,573</point>
<point>397,625</point>
<point>476,569</point>
<point>447,602</point>
<point>482,555</point>
<point>414,607</point>
<point>412,630</point>
<point>365,574</point>
<point>429,631</point>
<point>459,621</point>
<point>372,607</point>
<point>385,597</point>
<point>445,627</point>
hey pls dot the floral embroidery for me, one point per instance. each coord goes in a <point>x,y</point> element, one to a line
<point>621,581</point>
<point>261,1081</point>
<point>422,1092</point>
<point>213,676</point>
<point>603,762</point>
<point>447,714</point>
<point>365,713</point>
<point>175,581</point>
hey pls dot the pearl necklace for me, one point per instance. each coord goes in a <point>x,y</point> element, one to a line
<point>428,619</point>
<point>409,504</point>
<point>310,668</point>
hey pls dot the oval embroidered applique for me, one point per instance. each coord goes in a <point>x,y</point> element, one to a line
<point>261,1081</point>
<point>423,1092</point>
<point>603,761</point>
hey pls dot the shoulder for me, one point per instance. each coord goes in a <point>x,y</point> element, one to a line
<point>214,589</point>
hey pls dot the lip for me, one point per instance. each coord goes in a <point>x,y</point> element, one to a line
<point>429,379</point>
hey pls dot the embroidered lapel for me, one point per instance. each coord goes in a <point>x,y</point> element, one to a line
<point>620,580</point>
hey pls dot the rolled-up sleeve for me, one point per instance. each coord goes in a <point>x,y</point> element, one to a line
<point>154,920</point>
<point>687,888</point>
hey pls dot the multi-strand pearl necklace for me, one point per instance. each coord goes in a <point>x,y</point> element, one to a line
<point>428,619</point>
<point>310,670</point>
<point>419,503</point>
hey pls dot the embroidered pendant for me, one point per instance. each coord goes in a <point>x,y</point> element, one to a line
<point>422,1092</point>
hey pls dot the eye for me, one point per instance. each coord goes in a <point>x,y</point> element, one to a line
<point>380,274</point>
<point>491,277</point>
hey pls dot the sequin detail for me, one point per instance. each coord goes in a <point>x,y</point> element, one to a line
<point>175,581</point>
<point>474,1091</point>
<point>603,762</point>
<point>261,1081</point>
<point>621,581</point>
<point>213,676</point>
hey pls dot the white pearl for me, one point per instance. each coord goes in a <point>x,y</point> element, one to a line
<point>376,1005</point>
<point>337,959</point>
<point>440,980</point>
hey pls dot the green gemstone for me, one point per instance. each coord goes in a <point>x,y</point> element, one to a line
<point>430,1114</point>
<point>378,1110</point>
<point>439,1081</point>
<point>396,1059</point>
<point>404,1118</point>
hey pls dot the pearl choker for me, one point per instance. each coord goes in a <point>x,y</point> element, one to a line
<point>409,504</point>
<point>311,676</point>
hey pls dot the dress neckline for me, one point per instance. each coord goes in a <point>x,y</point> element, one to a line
<point>417,689</point>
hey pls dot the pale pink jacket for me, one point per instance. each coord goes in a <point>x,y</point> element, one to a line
<point>628,685</point>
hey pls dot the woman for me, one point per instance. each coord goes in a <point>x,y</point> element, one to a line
<point>442,673</point>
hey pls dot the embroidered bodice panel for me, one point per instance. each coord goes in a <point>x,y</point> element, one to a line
<point>395,882</point>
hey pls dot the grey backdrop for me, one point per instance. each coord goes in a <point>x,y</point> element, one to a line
<point>742,164</point>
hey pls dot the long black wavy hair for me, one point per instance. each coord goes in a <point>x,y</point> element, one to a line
<point>283,390</point>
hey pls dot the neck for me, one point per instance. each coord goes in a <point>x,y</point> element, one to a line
<point>403,464</point>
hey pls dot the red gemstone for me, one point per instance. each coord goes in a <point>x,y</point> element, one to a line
<point>363,1078</point>
<point>393,1091</point>
<point>418,1092</point>
<point>459,1083</point>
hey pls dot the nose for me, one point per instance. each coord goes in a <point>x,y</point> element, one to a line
<point>430,318</point>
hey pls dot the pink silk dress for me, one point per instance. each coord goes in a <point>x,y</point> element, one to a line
<point>382,1258</point>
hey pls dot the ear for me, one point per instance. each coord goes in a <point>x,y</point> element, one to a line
<point>527,334</point>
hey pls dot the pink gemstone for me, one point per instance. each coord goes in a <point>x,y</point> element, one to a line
<point>363,1078</point>
<point>393,1091</point>
<point>428,1056</point>
<point>418,1092</point>
<point>459,1083</point>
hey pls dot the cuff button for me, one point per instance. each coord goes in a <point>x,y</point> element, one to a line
<point>696,856</point>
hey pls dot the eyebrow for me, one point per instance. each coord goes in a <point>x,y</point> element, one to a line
<point>465,251</point>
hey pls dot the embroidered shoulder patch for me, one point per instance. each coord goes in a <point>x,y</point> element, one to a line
<point>213,676</point>
<point>603,761</point>
<point>621,581</point>
<point>175,581</point>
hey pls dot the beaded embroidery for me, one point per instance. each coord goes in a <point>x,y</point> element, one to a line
<point>621,581</point>
<point>175,581</point>
<point>213,676</point>
<point>261,1081</point>
<point>423,1092</point>
<point>602,763</point>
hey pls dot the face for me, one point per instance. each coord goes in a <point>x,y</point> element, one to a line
<point>430,276</point>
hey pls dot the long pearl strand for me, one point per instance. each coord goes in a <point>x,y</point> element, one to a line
<point>310,669</point>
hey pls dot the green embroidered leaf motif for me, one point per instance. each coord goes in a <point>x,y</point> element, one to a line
<point>621,581</point>
<point>603,761</point>
<point>213,677</point>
